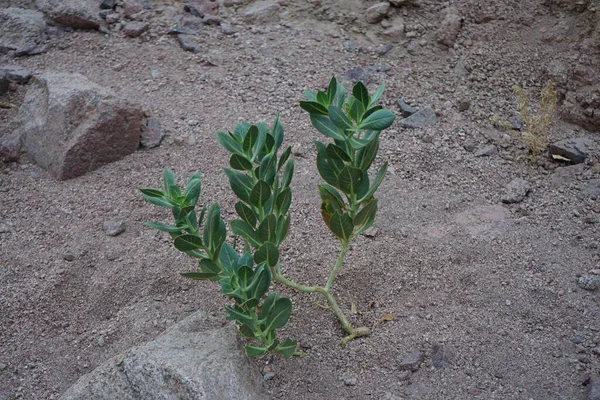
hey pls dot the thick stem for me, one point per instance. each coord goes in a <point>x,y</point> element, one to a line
<point>338,264</point>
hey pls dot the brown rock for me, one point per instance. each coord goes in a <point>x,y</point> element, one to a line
<point>449,28</point>
<point>71,125</point>
<point>262,11</point>
<point>377,12</point>
<point>77,14</point>
<point>135,29</point>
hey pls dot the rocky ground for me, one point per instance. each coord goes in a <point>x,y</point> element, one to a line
<point>480,276</point>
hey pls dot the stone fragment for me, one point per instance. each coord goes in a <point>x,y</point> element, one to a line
<point>135,29</point>
<point>152,134</point>
<point>463,105</point>
<point>588,282</point>
<point>10,145</point>
<point>442,356</point>
<point>377,12</point>
<point>262,12</point>
<point>576,150</point>
<point>108,4</point>
<point>411,361</point>
<point>406,109</point>
<point>132,7</point>
<point>20,28</point>
<point>486,151</point>
<point>212,20</point>
<point>201,8</point>
<point>112,18</point>
<point>449,29</point>
<point>189,361</point>
<point>77,14</point>
<point>188,44</point>
<point>516,191</point>
<point>16,74</point>
<point>594,388</point>
<point>71,125</point>
<point>357,74</point>
<point>421,118</point>
<point>114,228</point>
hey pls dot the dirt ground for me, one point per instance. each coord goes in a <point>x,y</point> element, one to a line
<point>487,291</point>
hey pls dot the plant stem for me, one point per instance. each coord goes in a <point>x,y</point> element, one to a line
<point>338,264</point>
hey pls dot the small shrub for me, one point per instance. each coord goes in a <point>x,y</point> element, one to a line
<point>260,176</point>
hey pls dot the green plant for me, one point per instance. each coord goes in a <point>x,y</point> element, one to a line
<point>535,135</point>
<point>260,176</point>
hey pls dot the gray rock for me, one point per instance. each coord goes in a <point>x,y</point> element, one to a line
<point>227,28</point>
<point>450,27</point>
<point>594,388</point>
<point>463,105</point>
<point>442,356</point>
<point>421,118</point>
<point>11,144</point>
<point>20,29</point>
<point>189,361</point>
<point>187,43</point>
<point>262,11</point>
<point>592,189</point>
<point>201,8</point>
<point>516,191</point>
<point>486,151</point>
<point>574,149</point>
<point>77,14</point>
<point>71,125</point>
<point>4,82</point>
<point>114,228</point>
<point>377,12</point>
<point>152,134</point>
<point>395,30</point>
<point>16,74</point>
<point>181,31</point>
<point>349,379</point>
<point>357,74</point>
<point>405,108</point>
<point>108,4</point>
<point>411,361</point>
<point>588,282</point>
<point>135,29</point>
<point>132,7</point>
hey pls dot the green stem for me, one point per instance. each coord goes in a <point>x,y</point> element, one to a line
<point>338,264</point>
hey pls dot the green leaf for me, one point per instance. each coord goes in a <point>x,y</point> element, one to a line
<point>261,282</point>
<point>367,154</point>
<point>240,131</point>
<point>152,193</point>
<point>210,267</point>
<point>287,348</point>
<point>284,157</point>
<point>287,174</point>
<point>328,169</point>
<point>258,147</point>
<point>168,181</point>
<point>268,253</point>
<point>250,140</point>
<point>267,229</point>
<point>340,119</point>
<point>267,305</point>
<point>371,111</point>
<point>240,183</point>
<point>340,96</point>
<point>277,132</point>
<point>246,331</point>
<point>243,229</point>
<point>331,196</point>
<point>377,95</point>
<point>283,201</point>
<point>245,274</point>
<point>192,191</point>
<point>336,152</point>
<point>378,121</point>
<point>163,227</point>
<point>246,213</point>
<point>267,170</point>
<point>187,242</point>
<point>229,259</point>
<point>341,226</point>
<point>255,351</point>
<point>378,179</point>
<point>260,194</point>
<point>199,276</point>
<point>229,143</point>
<point>239,162</point>
<point>279,315</point>
<point>214,231</point>
<point>322,98</point>
<point>283,225</point>
<point>358,144</point>
<point>331,90</point>
<point>311,95</point>
<point>356,110</point>
<point>366,214</point>
<point>360,92</point>
<point>239,316</point>
<point>324,125</point>
<point>350,179</point>
<point>159,201</point>
<point>313,108</point>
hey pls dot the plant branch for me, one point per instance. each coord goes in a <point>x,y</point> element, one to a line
<point>338,264</point>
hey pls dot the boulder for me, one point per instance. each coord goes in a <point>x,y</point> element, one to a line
<point>71,125</point>
<point>188,362</point>
<point>77,14</point>
<point>20,29</point>
<point>575,150</point>
<point>16,74</point>
<point>262,12</point>
<point>450,27</point>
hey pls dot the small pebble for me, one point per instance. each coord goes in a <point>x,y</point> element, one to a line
<point>113,228</point>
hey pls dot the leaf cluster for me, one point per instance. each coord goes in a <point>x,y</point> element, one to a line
<point>354,122</point>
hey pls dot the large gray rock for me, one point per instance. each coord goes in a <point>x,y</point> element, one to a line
<point>20,29</point>
<point>516,191</point>
<point>77,14</point>
<point>264,11</point>
<point>576,150</point>
<point>71,125</point>
<point>187,362</point>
